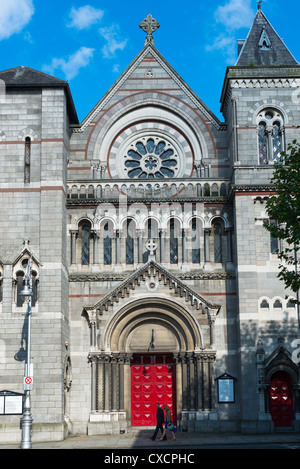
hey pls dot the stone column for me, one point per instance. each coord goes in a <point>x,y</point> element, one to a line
<point>93,333</point>
<point>114,388</point>
<point>191,381</point>
<point>184,373</point>
<point>118,258</point>
<point>261,384</point>
<point>122,361</point>
<point>199,379</point>
<point>229,244</point>
<point>94,365</point>
<point>73,246</point>
<point>140,246</point>
<point>100,383</point>
<point>235,136</point>
<point>127,381</point>
<point>184,246</point>
<point>208,395</point>
<point>162,245</point>
<point>95,247</point>
<point>107,383</point>
<point>206,245</point>
<point>211,321</point>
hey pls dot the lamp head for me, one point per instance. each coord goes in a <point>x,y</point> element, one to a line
<point>26,292</point>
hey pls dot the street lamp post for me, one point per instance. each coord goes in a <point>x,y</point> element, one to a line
<point>26,420</point>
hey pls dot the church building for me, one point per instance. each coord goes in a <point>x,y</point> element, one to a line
<point>141,231</point>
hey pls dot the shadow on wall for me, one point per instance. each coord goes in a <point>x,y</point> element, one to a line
<point>21,354</point>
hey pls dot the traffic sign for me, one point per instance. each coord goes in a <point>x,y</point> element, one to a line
<point>28,383</point>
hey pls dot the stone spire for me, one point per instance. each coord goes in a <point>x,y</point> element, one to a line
<point>263,46</point>
<point>149,25</point>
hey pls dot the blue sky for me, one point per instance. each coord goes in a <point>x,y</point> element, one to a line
<point>90,43</point>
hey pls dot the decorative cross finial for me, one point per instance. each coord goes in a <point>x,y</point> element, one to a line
<point>151,246</point>
<point>149,25</point>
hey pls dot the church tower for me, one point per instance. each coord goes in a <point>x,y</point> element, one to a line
<point>261,107</point>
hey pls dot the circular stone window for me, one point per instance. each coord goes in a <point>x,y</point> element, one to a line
<point>150,150</point>
<point>151,158</point>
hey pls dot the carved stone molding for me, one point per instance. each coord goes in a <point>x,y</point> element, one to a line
<point>152,269</point>
<point>116,277</point>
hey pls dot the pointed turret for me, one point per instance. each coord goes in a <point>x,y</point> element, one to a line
<point>263,46</point>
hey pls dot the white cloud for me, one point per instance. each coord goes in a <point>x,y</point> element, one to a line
<point>226,44</point>
<point>71,67</point>
<point>14,16</point>
<point>235,14</point>
<point>114,43</point>
<point>84,17</point>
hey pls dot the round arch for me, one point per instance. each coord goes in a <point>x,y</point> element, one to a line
<point>157,313</point>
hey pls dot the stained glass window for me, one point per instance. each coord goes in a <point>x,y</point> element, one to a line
<point>262,143</point>
<point>195,243</point>
<point>173,244</point>
<point>27,160</point>
<point>218,242</point>
<point>274,244</point>
<point>107,246</point>
<point>290,304</point>
<point>129,246</point>
<point>270,136</point>
<point>277,142</point>
<point>20,286</point>
<point>151,158</point>
<point>273,241</point>
<point>85,245</point>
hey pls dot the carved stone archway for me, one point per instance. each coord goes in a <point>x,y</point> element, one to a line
<point>153,326</point>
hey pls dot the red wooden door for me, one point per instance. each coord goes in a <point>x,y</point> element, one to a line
<point>281,407</point>
<point>152,381</point>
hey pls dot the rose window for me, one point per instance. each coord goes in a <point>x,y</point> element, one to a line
<point>151,158</point>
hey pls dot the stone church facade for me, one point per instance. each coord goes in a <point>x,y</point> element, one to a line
<point>154,279</point>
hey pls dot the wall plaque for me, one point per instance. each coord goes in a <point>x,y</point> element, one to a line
<point>226,391</point>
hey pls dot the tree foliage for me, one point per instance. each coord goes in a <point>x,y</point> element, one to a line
<point>283,208</point>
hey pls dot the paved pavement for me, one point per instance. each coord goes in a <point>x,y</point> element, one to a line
<point>184,441</point>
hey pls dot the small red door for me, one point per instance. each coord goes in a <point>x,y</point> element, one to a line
<point>281,407</point>
<point>152,381</point>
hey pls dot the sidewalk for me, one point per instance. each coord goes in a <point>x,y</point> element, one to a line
<point>142,440</point>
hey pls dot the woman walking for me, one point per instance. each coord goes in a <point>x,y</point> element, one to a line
<point>169,425</point>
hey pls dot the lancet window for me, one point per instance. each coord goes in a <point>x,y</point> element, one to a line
<point>27,159</point>
<point>270,132</point>
<point>85,235</point>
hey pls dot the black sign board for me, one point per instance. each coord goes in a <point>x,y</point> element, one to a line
<point>226,391</point>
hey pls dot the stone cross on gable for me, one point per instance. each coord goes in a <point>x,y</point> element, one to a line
<point>149,25</point>
<point>151,246</point>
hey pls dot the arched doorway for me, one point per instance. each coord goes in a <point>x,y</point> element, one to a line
<point>280,394</point>
<point>154,333</point>
<point>152,350</point>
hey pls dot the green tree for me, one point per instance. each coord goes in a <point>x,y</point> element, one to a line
<point>283,208</point>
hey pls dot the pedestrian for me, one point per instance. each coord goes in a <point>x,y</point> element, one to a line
<point>159,422</point>
<point>169,425</point>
